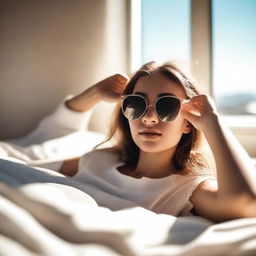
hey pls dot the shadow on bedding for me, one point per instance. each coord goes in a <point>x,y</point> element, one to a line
<point>16,175</point>
<point>186,229</point>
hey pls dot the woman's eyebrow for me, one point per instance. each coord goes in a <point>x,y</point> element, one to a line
<point>165,94</point>
<point>141,93</point>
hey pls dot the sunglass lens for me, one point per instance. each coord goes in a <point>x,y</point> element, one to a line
<point>167,108</point>
<point>134,107</point>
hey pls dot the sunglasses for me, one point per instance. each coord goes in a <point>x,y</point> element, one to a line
<point>167,108</point>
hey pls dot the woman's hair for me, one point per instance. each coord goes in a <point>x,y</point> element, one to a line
<point>187,159</point>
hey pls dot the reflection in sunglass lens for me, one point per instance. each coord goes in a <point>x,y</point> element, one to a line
<point>134,107</point>
<point>167,108</point>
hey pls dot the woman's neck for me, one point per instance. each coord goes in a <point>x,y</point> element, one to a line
<point>155,165</point>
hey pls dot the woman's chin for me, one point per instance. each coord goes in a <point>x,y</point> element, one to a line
<point>150,148</point>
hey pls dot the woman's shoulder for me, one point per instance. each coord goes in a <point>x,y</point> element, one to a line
<point>181,179</point>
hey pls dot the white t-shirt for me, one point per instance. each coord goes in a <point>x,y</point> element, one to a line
<point>170,195</point>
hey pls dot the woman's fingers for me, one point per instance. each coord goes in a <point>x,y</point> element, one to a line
<point>122,78</point>
<point>117,82</point>
<point>190,116</point>
<point>198,110</point>
<point>200,103</point>
<point>113,87</point>
<point>191,107</point>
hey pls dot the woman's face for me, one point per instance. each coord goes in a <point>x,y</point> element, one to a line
<point>149,133</point>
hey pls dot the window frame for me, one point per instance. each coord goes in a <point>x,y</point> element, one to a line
<point>135,35</point>
<point>243,127</point>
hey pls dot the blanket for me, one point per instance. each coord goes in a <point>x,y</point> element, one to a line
<point>43,212</point>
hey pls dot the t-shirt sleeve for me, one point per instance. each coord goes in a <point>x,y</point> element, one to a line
<point>188,190</point>
<point>69,119</point>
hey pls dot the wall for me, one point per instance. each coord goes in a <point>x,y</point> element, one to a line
<point>50,48</point>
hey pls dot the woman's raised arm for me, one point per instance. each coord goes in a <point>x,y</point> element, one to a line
<point>108,90</point>
<point>235,194</point>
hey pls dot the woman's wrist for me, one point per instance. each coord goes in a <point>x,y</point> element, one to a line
<point>210,123</point>
<point>84,101</point>
<point>98,91</point>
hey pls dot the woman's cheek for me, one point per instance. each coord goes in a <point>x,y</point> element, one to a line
<point>172,134</point>
<point>134,130</point>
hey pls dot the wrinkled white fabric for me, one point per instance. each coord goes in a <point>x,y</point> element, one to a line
<point>53,219</point>
<point>61,135</point>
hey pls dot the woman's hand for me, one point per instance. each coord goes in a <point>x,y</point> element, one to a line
<point>199,110</point>
<point>111,88</point>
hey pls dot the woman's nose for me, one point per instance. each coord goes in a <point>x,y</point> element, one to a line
<point>150,116</point>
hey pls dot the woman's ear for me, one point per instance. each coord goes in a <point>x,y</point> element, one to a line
<point>187,127</point>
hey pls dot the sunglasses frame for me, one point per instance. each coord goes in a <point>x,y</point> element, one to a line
<point>152,105</point>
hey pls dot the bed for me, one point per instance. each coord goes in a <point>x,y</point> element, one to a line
<point>45,213</point>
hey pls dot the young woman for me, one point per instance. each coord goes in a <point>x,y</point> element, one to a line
<point>157,161</point>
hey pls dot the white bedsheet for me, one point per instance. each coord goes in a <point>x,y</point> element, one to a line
<point>45,213</point>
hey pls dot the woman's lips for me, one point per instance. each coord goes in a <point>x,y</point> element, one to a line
<point>150,134</point>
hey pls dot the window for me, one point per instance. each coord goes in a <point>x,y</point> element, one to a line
<point>219,36</point>
<point>165,30</point>
<point>165,34</point>
<point>234,56</point>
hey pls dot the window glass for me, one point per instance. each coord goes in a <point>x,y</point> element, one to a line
<point>234,56</point>
<point>165,30</point>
